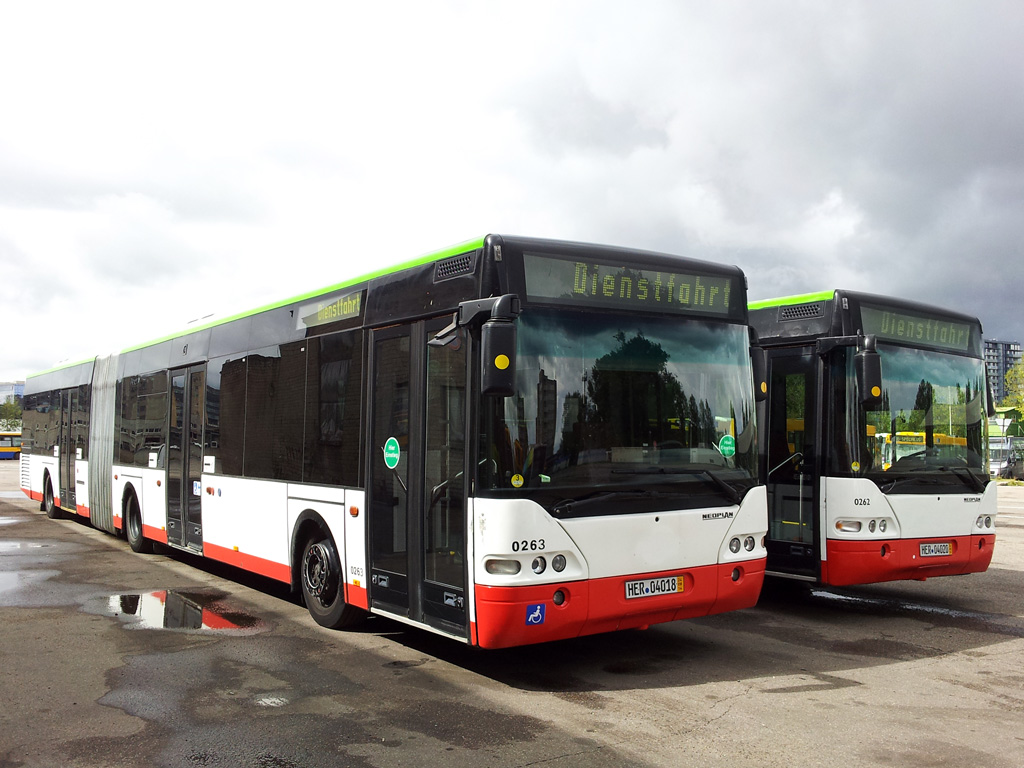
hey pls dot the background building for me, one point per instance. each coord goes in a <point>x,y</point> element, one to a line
<point>1000,357</point>
<point>11,391</point>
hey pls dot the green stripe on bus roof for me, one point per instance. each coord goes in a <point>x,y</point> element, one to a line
<point>784,301</point>
<point>452,250</point>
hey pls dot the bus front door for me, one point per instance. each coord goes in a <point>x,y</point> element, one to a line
<point>416,473</point>
<point>792,481</point>
<point>185,457</point>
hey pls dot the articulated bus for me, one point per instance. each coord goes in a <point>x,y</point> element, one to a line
<point>506,442</point>
<point>10,445</point>
<point>873,439</point>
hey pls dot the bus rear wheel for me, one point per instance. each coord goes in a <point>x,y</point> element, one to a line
<point>49,503</point>
<point>322,588</point>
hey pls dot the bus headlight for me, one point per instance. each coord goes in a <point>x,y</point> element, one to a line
<point>871,526</point>
<point>558,563</point>
<point>734,546</point>
<point>502,567</point>
<point>848,526</point>
<point>539,564</point>
<point>882,525</point>
<point>748,543</point>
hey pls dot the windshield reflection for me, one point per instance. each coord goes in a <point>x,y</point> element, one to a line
<point>931,420</point>
<point>609,402</point>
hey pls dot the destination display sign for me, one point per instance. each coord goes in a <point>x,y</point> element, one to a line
<point>330,309</point>
<point>629,286</point>
<point>915,328</point>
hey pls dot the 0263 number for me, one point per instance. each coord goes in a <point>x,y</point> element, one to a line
<point>528,545</point>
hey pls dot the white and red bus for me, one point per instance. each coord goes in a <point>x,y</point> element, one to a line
<point>874,439</point>
<point>506,442</point>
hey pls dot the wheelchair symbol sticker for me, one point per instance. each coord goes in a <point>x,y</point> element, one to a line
<point>535,614</point>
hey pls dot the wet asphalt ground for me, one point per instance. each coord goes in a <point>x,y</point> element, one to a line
<point>108,658</point>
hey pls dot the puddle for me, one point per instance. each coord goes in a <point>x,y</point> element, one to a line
<point>198,611</point>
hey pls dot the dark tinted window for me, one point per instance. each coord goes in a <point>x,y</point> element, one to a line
<point>225,413</point>
<point>80,421</point>
<point>335,371</point>
<point>127,421</point>
<point>275,383</point>
<point>151,420</point>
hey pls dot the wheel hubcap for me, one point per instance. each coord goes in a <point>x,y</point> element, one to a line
<point>317,573</point>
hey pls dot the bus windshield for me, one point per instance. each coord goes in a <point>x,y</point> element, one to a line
<point>931,419</point>
<point>622,413</point>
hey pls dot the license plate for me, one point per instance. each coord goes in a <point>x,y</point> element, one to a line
<point>941,549</point>
<point>665,585</point>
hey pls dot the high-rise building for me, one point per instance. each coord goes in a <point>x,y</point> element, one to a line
<point>1000,357</point>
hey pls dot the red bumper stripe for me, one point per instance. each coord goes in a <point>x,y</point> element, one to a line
<point>510,616</point>
<point>867,562</point>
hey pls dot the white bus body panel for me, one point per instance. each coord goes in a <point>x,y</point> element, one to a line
<point>247,516</point>
<point>907,516</point>
<point>615,545</point>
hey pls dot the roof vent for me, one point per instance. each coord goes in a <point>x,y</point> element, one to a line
<point>802,311</point>
<point>463,264</point>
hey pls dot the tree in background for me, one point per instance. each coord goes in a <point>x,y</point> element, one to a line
<point>10,416</point>
<point>1014,388</point>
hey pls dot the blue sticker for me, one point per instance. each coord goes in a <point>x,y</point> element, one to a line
<point>196,489</point>
<point>535,614</point>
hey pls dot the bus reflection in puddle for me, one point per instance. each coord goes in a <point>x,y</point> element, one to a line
<point>169,609</point>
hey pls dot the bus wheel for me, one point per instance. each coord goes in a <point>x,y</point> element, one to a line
<point>322,585</point>
<point>133,526</point>
<point>49,505</point>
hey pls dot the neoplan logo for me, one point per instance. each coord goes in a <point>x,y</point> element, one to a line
<point>724,515</point>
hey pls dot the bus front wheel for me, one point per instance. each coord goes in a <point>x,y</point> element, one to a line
<point>322,585</point>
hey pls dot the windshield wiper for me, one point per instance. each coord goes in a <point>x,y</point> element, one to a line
<point>971,480</point>
<point>734,496</point>
<point>569,506</point>
<point>887,484</point>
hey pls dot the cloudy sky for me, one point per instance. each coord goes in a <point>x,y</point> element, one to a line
<point>160,163</point>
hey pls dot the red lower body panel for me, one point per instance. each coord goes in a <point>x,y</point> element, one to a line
<point>511,616</point>
<point>262,566</point>
<point>867,562</point>
<point>154,533</point>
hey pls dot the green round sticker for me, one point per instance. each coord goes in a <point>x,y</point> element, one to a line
<point>392,453</point>
<point>727,445</point>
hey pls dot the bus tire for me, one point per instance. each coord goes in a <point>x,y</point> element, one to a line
<point>322,590</point>
<point>133,526</point>
<point>49,503</point>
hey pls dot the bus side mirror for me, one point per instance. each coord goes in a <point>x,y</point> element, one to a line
<point>498,357</point>
<point>991,411</point>
<point>868,365</point>
<point>759,365</point>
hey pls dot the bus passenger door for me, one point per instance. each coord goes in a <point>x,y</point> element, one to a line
<point>417,487</point>
<point>390,455</point>
<point>185,457</point>
<point>443,540</point>
<point>792,481</point>
<point>67,452</point>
